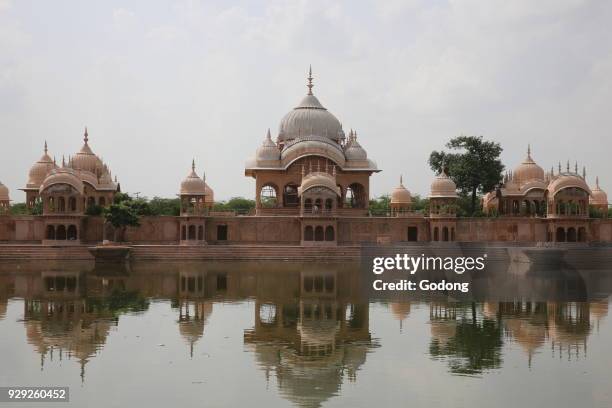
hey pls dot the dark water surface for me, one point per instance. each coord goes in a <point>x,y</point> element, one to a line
<point>308,335</point>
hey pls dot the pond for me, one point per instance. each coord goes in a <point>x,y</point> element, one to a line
<point>304,334</point>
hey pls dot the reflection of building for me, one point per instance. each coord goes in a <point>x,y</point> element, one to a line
<point>311,343</point>
<point>194,310</point>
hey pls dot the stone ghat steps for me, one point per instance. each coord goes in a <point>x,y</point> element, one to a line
<point>244,252</point>
<point>39,252</point>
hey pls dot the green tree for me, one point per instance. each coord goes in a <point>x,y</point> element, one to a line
<point>474,165</point>
<point>18,209</point>
<point>238,204</point>
<point>165,206</point>
<point>380,205</point>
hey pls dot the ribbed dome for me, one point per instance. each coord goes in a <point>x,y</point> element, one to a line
<point>210,195</point>
<point>353,150</point>
<point>567,181</point>
<point>319,179</point>
<point>310,118</point>
<point>39,170</point>
<point>400,194</point>
<point>443,186</point>
<point>63,175</point>
<point>193,184</point>
<point>598,196</point>
<point>4,192</point>
<point>86,160</point>
<point>527,170</point>
<point>268,150</point>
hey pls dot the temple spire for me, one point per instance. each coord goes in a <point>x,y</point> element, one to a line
<point>529,151</point>
<point>46,147</point>
<point>86,136</point>
<point>268,135</point>
<point>401,180</point>
<point>310,85</point>
<point>597,181</point>
<point>584,172</point>
<point>193,164</point>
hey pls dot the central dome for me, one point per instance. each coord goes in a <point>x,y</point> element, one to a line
<point>527,170</point>
<point>310,118</point>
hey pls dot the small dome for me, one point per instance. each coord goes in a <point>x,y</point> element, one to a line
<point>4,192</point>
<point>319,179</point>
<point>268,150</point>
<point>63,175</point>
<point>353,150</point>
<point>310,118</point>
<point>598,196</point>
<point>400,194</point>
<point>210,195</point>
<point>567,180</point>
<point>527,170</point>
<point>86,160</point>
<point>193,184</point>
<point>443,186</point>
<point>39,170</point>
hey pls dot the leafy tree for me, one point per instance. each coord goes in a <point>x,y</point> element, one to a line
<point>380,205</point>
<point>420,204</point>
<point>93,209</point>
<point>165,206</point>
<point>18,209</point>
<point>474,166</point>
<point>238,204</point>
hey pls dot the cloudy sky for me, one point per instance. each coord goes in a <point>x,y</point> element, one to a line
<point>158,83</point>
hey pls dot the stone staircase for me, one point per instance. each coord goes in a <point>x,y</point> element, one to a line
<point>240,252</point>
<point>40,252</point>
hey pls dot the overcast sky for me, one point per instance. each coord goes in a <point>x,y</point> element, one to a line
<point>158,83</point>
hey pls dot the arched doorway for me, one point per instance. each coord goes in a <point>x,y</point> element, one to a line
<point>445,234</point>
<point>183,233</point>
<point>61,204</point>
<point>308,233</point>
<point>72,204</point>
<point>290,195</point>
<point>268,196</point>
<point>60,233</point>
<point>581,234</point>
<point>50,232</point>
<point>560,237</point>
<point>319,236</point>
<point>329,233</point>
<point>191,232</point>
<point>571,234</point>
<point>436,235</point>
<point>200,232</point>
<point>72,232</point>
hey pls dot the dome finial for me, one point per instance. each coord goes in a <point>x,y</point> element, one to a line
<point>86,136</point>
<point>597,181</point>
<point>529,152</point>
<point>63,161</point>
<point>401,180</point>
<point>567,166</point>
<point>584,172</point>
<point>576,167</point>
<point>310,85</point>
<point>268,135</point>
<point>45,147</point>
<point>193,164</point>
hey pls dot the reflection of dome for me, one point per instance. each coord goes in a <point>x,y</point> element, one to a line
<point>310,118</point>
<point>318,179</point>
<point>598,197</point>
<point>318,332</point>
<point>193,184</point>
<point>86,160</point>
<point>64,175</point>
<point>443,330</point>
<point>530,336</point>
<point>400,310</point>
<point>39,170</point>
<point>268,150</point>
<point>443,186</point>
<point>528,170</point>
<point>4,192</point>
<point>400,194</point>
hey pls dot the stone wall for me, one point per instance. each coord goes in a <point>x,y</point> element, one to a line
<point>287,229</point>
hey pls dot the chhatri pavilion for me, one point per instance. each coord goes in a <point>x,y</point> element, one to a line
<point>312,188</point>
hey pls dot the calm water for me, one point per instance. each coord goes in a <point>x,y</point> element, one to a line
<point>308,335</point>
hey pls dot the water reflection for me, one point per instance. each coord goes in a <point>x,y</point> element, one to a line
<point>310,332</point>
